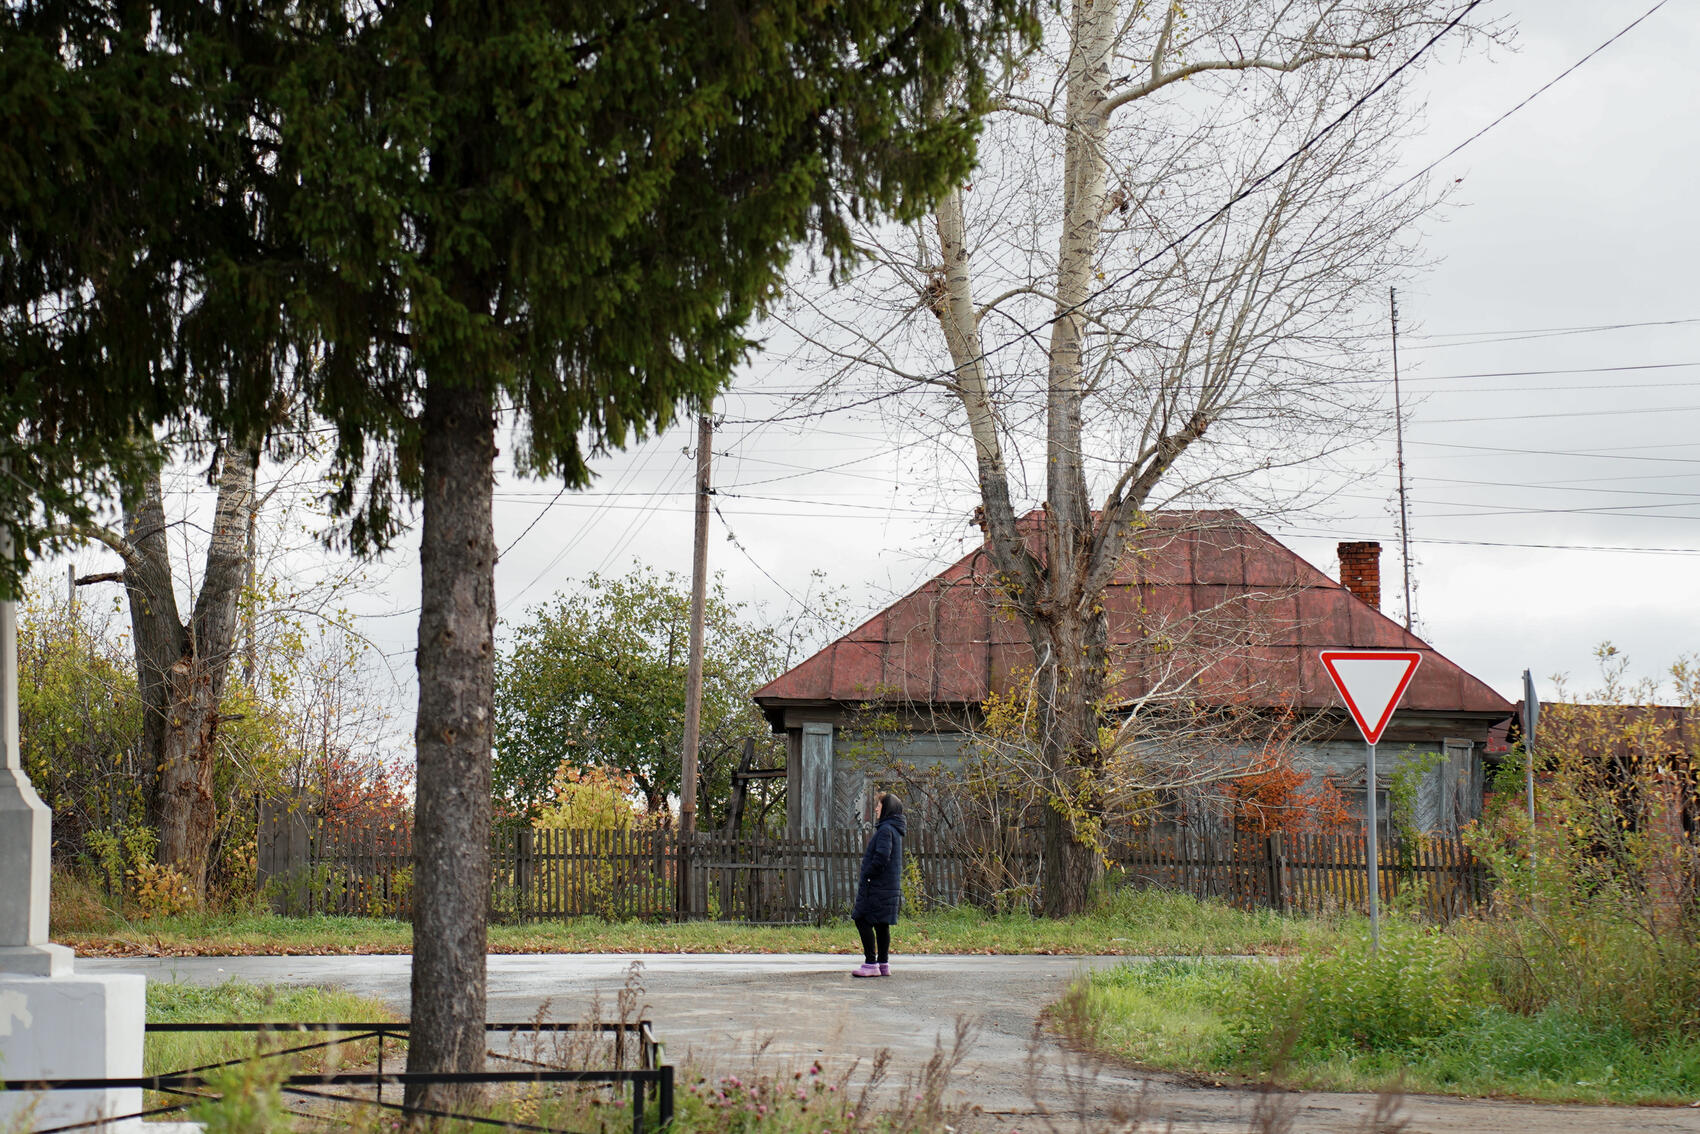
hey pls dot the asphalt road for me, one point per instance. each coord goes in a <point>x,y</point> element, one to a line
<point>718,1011</point>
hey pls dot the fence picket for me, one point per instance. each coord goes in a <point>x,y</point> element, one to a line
<point>561,873</point>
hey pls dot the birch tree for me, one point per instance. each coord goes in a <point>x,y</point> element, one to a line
<point>1104,333</point>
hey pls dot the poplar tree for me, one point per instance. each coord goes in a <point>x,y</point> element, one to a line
<point>1153,292</point>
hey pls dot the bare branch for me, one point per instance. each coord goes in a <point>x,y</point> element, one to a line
<point>110,538</point>
<point>1167,78</point>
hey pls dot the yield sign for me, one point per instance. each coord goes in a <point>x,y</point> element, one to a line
<point>1371,682</point>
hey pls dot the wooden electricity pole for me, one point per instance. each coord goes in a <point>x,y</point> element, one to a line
<point>1399,450</point>
<point>693,679</point>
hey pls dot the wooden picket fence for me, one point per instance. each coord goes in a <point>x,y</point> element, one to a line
<point>814,875</point>
<point>1309,873</point>
<point>307,866</point>
<point>547,875</point>
<point>540,875</point>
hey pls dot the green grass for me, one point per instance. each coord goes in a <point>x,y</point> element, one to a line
<point>1355,1024</point>
<point>1129,923</point>
<point>237,1001</point>
<point>1163,1013</point>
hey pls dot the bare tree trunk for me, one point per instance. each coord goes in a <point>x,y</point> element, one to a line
<point>181,667</point>
<point>1071,691</point>
<point>456,662</point>
<point>1074,683</point>
<point>157,631</point>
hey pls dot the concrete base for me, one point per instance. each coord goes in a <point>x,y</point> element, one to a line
<point>35,960</point>
<point>70,1027</point>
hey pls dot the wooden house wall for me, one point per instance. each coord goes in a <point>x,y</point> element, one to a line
<point>831,785</point>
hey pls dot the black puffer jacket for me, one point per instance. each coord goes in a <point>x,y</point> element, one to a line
<point>880,894</point>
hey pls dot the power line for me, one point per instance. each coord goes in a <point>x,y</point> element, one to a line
<point>1550,83</point>
<point>1564,487</point>
<point>1031,333</point>
<point>1630,453</point>
<point>534,522</point>
<point>1510,543</point>
<point>1557,370</point>
<point>732,537</point>
<point>1564,389</point>
<point>1576,329</point>
<point>637,525</point>
<point>1562,413</point>
<point>627,476</point>
<point>1371,381</point>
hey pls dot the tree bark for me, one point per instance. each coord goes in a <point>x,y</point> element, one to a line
<point>181,668</point>
<point>456,663</point>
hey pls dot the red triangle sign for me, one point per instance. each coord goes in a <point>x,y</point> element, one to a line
<point>1371,683</point>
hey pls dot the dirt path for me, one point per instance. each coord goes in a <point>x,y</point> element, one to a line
<point>716,1011</point>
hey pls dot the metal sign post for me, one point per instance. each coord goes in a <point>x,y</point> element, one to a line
<point>1371,682</point>
<point>1374,852</point>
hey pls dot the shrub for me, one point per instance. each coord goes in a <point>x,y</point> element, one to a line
<point>161,891</point>
<point>1355,1000</point>
<point>597,800</point>
<point>1271,798</point>
<point>1598,906</point>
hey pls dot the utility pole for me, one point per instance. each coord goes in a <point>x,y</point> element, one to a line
<point>1399,452</point>
<point>693,679</point>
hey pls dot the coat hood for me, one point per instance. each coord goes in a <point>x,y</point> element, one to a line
<point>897,821</point>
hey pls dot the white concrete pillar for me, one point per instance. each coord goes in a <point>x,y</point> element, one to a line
<point>54,1024</point>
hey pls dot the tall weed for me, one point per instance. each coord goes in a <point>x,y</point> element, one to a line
<point>1597,911</point>
<point>1354,1000</point>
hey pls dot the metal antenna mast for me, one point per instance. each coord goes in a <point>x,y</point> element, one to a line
<point>1399,452</point>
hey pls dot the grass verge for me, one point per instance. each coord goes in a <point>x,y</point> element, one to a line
<point>1406,1020</point>
<point>1132,923</point>
<point>237,1001</point>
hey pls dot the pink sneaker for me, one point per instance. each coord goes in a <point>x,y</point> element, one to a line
<point>866,970</point>
<point>885,969</point>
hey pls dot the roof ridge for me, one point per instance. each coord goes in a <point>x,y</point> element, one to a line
<point>944,643</point>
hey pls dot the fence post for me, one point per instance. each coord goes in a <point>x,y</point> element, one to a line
<point>525,868</point>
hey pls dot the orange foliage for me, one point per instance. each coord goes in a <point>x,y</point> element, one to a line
<point>1270,799</point>
<point>355,794</point>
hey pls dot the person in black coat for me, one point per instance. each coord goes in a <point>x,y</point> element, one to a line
<point>879,895</point>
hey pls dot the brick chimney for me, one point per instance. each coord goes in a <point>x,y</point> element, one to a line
<point>1360,570</point>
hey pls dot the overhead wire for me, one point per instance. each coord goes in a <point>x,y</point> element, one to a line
<point>1558,413</point>
<point>1512,544</point>
<point>1518,334</point>
<point>1548,85</point>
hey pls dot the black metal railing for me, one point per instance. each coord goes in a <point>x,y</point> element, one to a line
<point>192,1082</point>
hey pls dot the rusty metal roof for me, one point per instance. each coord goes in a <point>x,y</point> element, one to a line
<point>1204,593</point>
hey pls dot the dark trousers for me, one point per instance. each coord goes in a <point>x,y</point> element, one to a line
<point>874,934</point>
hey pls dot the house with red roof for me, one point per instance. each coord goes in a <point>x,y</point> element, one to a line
<point>1205,607</point>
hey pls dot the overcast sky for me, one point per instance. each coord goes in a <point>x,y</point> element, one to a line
<point>1551,363</point>
<point>1577,212</point>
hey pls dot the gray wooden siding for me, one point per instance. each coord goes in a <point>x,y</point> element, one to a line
<point>815,786</point>
<point>1448,796</point>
